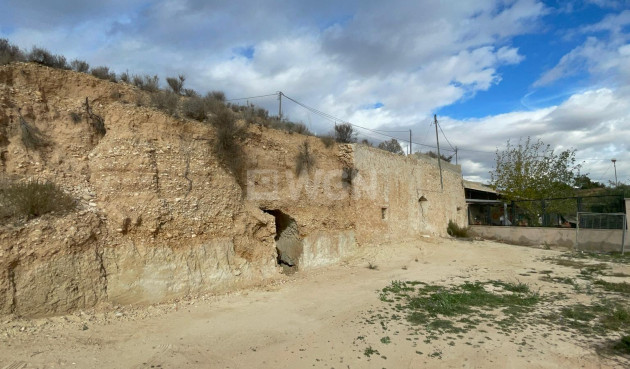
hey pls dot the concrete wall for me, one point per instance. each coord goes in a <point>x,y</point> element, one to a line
<point>605,240</point>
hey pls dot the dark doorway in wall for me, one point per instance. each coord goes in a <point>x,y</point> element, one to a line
<point>288,242</point>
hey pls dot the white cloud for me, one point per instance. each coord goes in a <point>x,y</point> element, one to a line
<point>595,122</point>
<point>413,57</point>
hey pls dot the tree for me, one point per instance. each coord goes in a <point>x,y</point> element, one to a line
<point>344,133</point>
<point>583,182</point>
<point>533,170</point>
<point>392,146</point>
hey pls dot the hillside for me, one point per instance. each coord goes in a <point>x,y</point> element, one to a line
<point>163,212</point>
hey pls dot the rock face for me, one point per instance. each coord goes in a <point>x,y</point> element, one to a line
<point>161,217</point>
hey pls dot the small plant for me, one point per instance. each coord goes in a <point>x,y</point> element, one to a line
<point>103,73</point>
<point>456,231</point>
<point>34,198</point>
<point>32,137</point>
<point>96,121</point>
<point>344,133</point>
<point>79,66</point>
<point>165,101</point>
<point>386,340</point>
<point>176,83</point>
<point>369,351</point>
<point>348,174</point>
<point>75,117</point>
<point>44,57</point>
<point>304,159</point>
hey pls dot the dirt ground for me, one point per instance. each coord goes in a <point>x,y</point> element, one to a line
<point>317,319</point>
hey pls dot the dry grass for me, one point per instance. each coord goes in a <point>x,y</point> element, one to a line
<point>304,159</point>
<point>32,199</point>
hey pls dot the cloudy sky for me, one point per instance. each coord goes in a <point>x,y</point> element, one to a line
<point>491,70</point>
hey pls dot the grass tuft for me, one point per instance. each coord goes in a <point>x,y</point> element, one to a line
<point>456,231</point>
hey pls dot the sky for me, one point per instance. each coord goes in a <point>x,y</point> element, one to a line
<point>491,71</point>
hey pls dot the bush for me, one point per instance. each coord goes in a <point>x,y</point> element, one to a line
<point>79,66</point>
<point>456,231</point>
<point>304,159</point>
<point>344,133</point>
<point>124,77</point>
<point>32,137</point>
<point>215,102</point>
<point>34,198</point>
<point>195,108</point>
<point>392,146</point>
<point>227,144</point>
<point>103,73</point>
<point>146,82</point>
<point>442,156</point>
<point>198,108</point>
<point>327,140</point>
<point>44,57</point>
<point>189,92</point>
<point>165,101</point>
<point>217,95</point>
<point>9,53</point>
<point>176,84</point>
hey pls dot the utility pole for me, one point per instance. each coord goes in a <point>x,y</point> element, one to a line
<point>456,155</point>
<point>615,165</point>
<point>437,138</point>
<point>280,105</point>
<point>409,142</point>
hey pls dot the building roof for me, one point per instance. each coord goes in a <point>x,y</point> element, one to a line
<point>479,187</point>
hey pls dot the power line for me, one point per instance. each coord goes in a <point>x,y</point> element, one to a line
<point>341,121</point>
<point>251,97</point>
<point>438,124</point>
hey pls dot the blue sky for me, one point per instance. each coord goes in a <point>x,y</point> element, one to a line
<point>491,70</point>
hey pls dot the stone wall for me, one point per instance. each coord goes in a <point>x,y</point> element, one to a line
<point>401,197</point>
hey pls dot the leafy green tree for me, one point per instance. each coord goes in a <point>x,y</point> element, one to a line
<point>392,146</point>
<point>533,170</point>
<point>583,182</point>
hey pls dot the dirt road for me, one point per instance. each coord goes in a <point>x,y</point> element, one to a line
<point>316,319</point>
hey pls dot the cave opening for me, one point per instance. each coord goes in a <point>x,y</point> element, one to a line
<point>288,242</point>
